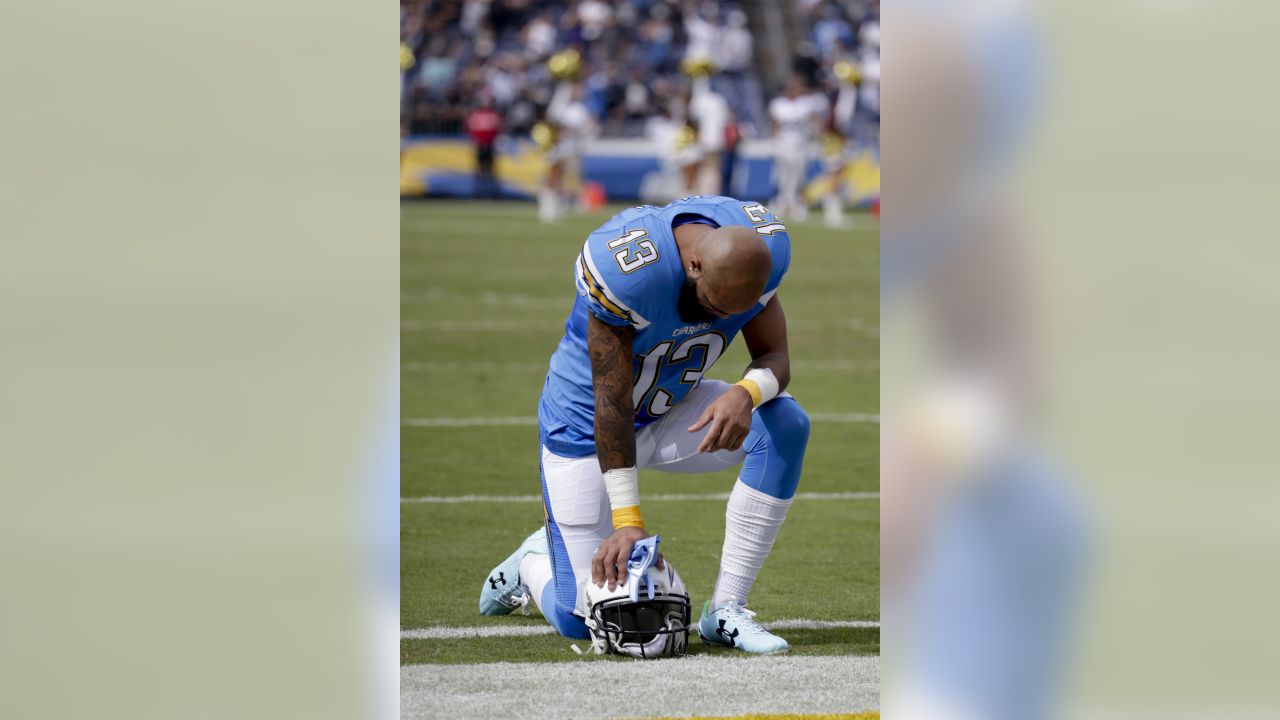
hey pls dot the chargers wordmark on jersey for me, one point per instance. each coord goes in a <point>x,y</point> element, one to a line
<point>630,273</point>
<point>689,329</point>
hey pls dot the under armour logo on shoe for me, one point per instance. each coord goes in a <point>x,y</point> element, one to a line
<point>730,635</point>
<point>494,583</point>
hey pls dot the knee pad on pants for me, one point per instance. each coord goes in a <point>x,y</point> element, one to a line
<point>775,448</point>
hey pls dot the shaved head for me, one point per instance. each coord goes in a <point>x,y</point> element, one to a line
<point>734,264</point>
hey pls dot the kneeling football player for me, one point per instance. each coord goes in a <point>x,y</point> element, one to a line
<point>661,293</point>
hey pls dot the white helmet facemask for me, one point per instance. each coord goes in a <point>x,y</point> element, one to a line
<point>647,616</point>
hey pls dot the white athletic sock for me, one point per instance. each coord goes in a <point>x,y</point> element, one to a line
<point>833,210</point>
<point>731,588</point>
<point>535,571</point>
<point>752,519</point>
<point>547,202</point>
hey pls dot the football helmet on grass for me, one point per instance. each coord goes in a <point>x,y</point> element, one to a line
<point>647,616</point>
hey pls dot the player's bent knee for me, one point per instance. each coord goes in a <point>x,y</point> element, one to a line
<point>568,624</point>
<point>564,621</point>
<point>786,425</point>
<point>775,448</point>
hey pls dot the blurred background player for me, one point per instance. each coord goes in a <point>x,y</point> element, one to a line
<point>673,143</point>
<point>571,124</point>
<point>838,143</point>
<point>867,117</point>
<point>709,113</point>
<point>688,151</point>
<point>729,161</point>
<point>797,116</point>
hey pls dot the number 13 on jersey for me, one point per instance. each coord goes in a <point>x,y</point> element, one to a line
<point>637,250</point>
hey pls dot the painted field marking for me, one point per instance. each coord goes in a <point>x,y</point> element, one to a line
<point>469,421</point>
<point>855,325</point>
<point>802,624</point>
<point>473,366</point>
<point>558,301</point>
<point>541,367</point>
<point>571,689</point>
<point>464,499</point>
<point>834,365</point>
<point>549,325</point>
<point>499,326</point>
<point>856,417</point>
<point>460,633</point>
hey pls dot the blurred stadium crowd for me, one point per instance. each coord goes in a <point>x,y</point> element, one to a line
<point>637,57</point>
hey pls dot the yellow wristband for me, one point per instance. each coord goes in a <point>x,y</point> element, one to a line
<point>751,387</point>
<point>628,517</point>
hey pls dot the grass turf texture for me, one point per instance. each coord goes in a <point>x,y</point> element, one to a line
<point>485,290</point>
<point>788,716</point>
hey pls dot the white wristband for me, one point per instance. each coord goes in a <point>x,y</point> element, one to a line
<point>623,486</point>
<point>765,380</point>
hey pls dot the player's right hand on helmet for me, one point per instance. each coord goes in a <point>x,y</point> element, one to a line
<point>610,562</point>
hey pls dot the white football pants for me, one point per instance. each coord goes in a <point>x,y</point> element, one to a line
<point>576,491</point>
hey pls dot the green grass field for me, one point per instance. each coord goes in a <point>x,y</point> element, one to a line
<point>485,291</point>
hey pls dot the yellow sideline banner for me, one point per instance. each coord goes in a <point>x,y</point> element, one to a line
<point>445,167</point>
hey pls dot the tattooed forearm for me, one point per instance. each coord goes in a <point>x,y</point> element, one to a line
<point>610,350</point>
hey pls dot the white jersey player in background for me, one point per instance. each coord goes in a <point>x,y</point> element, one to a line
<point>838,144</point>
<point>855,118</point>
<point>868,112</point>
<point>797,116</point>
<point>710,113</point>
<point>574,125</point>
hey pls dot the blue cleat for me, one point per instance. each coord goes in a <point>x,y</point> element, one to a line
<point>502,591</point>
<point>732,625</point>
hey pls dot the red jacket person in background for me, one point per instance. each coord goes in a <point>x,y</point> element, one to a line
<point>483,125</point>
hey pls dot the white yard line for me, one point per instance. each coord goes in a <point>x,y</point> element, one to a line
<point>469,421</point>
<point>541,367</point>
<point>855,325</point>
<point>834,365</point>
<point>561,301</point>
<point>802,624</point>
<point>498,326</point>
<point>481,631</point>
<point>871,418</point>
<point>556,324</point>
<point>858,418</point>
<point>465,499</point>
<point>474,366</point>
<point>709,684</point>
<point>484,631</point>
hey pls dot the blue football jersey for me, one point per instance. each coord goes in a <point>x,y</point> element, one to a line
<point>630,273</point>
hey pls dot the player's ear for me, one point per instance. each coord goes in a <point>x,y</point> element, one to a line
<point>695,266</point>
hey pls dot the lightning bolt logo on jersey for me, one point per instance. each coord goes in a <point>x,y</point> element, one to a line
<point>630,273</point>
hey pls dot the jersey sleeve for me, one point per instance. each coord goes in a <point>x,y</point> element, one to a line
<point>616,274</point>
<point>775,110</point>
<point>780,249</point>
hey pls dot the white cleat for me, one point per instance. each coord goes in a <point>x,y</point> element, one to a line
<point>733,625</point>
<point>502,591</point>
